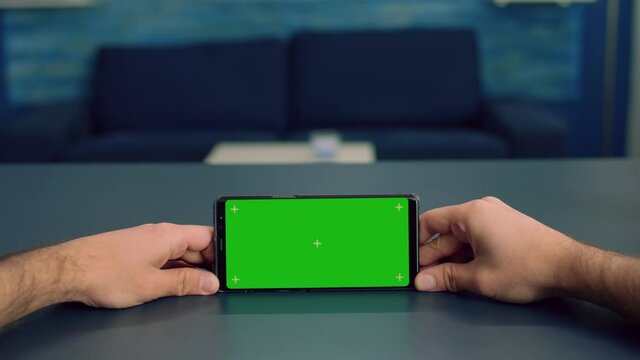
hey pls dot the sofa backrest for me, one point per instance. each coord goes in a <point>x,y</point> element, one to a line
<point>380,78</point>
<point>205,86</point>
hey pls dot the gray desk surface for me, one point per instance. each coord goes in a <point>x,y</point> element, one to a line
<point>597,201</point>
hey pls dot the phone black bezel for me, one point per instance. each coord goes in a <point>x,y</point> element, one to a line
<point>219,240</point>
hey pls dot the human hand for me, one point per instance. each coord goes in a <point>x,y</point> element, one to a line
<point>489,248</point>
<point>128,267</point>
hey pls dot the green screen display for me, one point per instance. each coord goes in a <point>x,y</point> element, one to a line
<point>317,243</point>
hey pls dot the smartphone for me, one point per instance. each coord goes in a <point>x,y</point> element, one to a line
<point>306,242</point>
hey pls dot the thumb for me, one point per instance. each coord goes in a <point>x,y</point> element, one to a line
<point>186,281</point>
<point>452,277</point>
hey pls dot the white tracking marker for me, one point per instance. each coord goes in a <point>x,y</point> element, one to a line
<point>317,243</point>
<point>399,277</point>
<point>399,207</point>
<point>235,279</point>
<point>234,209</point>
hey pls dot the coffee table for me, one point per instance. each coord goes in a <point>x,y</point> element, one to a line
<point>361,152</point>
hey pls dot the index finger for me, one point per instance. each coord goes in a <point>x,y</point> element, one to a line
<point>440,220</point>
<point>202,257</point>
<point>181,238</point>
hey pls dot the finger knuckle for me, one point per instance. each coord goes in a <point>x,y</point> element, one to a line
<point>435,246</point>
<point>491,199</point>
<point>183,282</point>
<point>162,228</point>
<point>449,277</point>
<point>165,226</point>
<point>477,204</point>
<point>480,207</point>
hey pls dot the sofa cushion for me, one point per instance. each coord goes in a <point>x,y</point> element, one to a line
<point>408,143</point>
<point>212,86</point>
<point>397,78</point>
<point>154,146</point>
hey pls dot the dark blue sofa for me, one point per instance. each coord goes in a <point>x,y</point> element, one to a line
<point>173,104</point>
<point>415,94</point>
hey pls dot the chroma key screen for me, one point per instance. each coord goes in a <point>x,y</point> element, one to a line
<point>317,243</point>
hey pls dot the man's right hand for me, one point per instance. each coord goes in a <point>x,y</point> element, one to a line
<point>489,248</point>
<point>485,246</point>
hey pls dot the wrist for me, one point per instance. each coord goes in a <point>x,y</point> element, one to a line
<point>581,275</point>
<point>67,284</point>
<point>601,277</point>
<point>569,272</point>
<point>48,275</point>
<point>554,263</point>
<point>31,281</point>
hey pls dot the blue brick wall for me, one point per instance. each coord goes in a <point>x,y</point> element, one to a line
<point>527,51</point>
